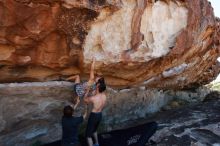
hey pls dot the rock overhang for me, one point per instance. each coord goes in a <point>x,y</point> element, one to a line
<point>162,44</point>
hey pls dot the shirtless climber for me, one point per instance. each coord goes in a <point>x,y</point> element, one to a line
<point>98,101</point>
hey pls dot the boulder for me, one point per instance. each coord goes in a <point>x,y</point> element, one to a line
<point>167,44</point>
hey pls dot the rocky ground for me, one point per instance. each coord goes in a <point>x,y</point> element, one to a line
<point>193,125</point>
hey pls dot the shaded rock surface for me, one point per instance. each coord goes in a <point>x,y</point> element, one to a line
<point>193,125</point>
<point>162,44</point>
<point>31,112</point>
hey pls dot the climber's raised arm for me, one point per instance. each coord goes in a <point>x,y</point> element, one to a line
<point>92,73</point>
<point>74,78</point>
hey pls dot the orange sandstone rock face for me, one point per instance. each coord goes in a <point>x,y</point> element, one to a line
<point>162,44</point>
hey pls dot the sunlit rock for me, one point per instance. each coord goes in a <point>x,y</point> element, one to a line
<point>134,42</point>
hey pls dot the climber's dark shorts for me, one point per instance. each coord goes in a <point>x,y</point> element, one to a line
<point>93,123</point>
